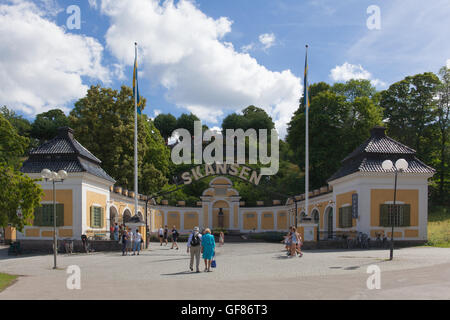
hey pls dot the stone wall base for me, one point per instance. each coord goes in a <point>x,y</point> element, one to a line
<point>46,246</point>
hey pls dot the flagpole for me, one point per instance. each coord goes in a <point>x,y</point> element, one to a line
<point>306,98</point>
<point>135,140</point>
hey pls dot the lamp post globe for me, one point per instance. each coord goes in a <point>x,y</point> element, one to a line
<point>387,165</point>
<point>401,164</point>
<point>62,174</point>
<point>46,174</point>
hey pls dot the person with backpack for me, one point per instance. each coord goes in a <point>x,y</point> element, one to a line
<point>194,247</point>
<point>175,235</point>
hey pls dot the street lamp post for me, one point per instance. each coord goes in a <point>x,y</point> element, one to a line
<point>400,166</point>
<point>59,176</point>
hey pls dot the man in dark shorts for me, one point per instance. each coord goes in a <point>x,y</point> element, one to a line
<point>161,235</point>
<point>166,234</point>
<point>174,237</point>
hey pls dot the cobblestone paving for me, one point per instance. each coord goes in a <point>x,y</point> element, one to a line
<point>244,271</point>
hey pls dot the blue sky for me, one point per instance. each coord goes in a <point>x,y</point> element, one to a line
<point>212,57</point>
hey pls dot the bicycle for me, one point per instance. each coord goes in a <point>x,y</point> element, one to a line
<point>68,245</point>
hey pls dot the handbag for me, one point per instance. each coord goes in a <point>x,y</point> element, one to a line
<point>213,262</point>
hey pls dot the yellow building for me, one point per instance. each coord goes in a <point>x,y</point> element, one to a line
<point>358,198</point>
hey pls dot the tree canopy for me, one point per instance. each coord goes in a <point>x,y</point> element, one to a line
<point>16,190</point>
<point>103,122</point>
<point>46,124</point>
<point>338,123</point>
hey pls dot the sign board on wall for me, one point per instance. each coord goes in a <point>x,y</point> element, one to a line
<point>354,205</point>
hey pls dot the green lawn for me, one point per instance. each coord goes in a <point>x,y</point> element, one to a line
<point>6,280</point>
<point>439,227</point>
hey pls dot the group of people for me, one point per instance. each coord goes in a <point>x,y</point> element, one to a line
<point>293,243</point>
<point>164,236</point>
<point>130,240</point>
<point>203,243</point>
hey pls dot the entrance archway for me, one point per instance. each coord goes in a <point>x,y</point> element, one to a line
<point>221,214</point>
<point>328,223</point>
<point>113,218</point>
<point>126,216</point>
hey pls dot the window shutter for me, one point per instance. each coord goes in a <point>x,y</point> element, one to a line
<point>406,215</point>
<point>384,215</point>
<point>92,217</point>
<point>60,214</point>
<point>340,217</point>
<point>349,217</point>
<point>37,216</point>
<point>102,217</point>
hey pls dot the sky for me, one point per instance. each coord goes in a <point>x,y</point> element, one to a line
<point>212,57</point>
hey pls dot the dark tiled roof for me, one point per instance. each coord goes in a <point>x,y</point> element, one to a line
<point>64,153</point>
<point>64,143</point>
<point>369,156</point>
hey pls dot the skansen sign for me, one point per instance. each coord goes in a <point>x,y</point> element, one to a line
<point>203,171</point>
<point>235,143</point>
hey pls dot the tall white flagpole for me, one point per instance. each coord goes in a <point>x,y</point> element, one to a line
<point>306,98</point>
<point>135,137</point>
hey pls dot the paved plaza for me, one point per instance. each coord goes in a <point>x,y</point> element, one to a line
<point>244,271</point>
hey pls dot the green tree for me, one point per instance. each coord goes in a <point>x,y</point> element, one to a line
<point>186,121</point>
<point>166,124</point>
<point>442,110</point>
<point>46,124</point>
<point>16,189</point>
<point>409,109</point>
<point>338,123</point>
<point>12,145</point>
<point>104,123</point>
<point>251,118</point>
<point>22,126</point>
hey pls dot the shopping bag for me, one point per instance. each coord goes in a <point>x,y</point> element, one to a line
<point>213,263</point>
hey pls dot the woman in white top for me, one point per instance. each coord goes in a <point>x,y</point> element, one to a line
<point>294,240</point>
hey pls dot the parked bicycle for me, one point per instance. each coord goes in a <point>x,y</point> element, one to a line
<point>68,245</point>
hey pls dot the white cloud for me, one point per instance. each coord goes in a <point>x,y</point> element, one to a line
<point>448,63</point>
<point>183,50</point>
<point>349,71</point>
<point>156,112</point>
<point>247,47</point>
<point>42,65</point>
<point>267,40</point>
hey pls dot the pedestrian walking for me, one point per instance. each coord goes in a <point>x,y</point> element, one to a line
<point>116,232</point>
<point>299,245</point>
<point>175,235</point>
<point>124,239</point>
<point>294,241</point>
<point>161,235</point>
<point>208,246</point>
<point>194,245</point>
<point>166,235</point>
<point>137,242</point>
<point>221,238</point>
<point>130,240</point>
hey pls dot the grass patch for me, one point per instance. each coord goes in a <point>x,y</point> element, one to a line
<point>6,280</point>
<point>439,227</point>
